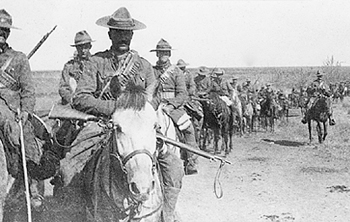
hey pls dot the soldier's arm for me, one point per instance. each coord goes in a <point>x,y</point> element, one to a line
<point>26,83</point>
<point>147,71</point>
<point>192,88</point>
<point>180,89</point>
<point>89,86</point>
<point>64,89</point>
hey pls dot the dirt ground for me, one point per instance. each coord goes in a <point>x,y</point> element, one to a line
<point>274,177</point>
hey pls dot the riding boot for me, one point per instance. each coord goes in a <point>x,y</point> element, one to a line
<point>191,159</point>
<point>171,195</point>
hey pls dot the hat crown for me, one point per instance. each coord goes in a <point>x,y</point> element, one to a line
<point>5,19</point>
<point>163,45</point>
<point>218,71</point>
<point>120,19</point>
<point>203,70</point>
<point>181,63</point>
<point>82,37</point>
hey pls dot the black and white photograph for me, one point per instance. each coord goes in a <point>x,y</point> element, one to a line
<point>174,111</point>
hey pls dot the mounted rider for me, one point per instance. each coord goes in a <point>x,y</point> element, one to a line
<point>17,92</point>
<point>193,107</point>
<point>203,81</point>
<point>171,91</point>
<point>316,90</point>
<point>222,86</point>
<point>67,130</point>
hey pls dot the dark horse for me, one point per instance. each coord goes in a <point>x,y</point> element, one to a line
<point>319,112</point>
<point>119,180</point>
<point>217,117</point>
<point>267,113</point>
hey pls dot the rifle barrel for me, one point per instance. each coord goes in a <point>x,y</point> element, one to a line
<point>43,39</point>
<point>191,149</point>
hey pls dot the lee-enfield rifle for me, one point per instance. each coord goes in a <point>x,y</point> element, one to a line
<point>43,39</point>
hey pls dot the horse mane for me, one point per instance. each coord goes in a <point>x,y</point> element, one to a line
<point>133,97</point>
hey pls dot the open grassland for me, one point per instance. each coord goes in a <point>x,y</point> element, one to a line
<point>280,77</point>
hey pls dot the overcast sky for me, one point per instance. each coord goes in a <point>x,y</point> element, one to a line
<point>211,33</point>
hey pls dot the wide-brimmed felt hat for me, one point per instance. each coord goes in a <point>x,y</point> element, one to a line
<point>162,45</point>
<point>81,38</point>
<point>218,72</point>
<point>234,78</point>
<point>203,71</point>
<point>120,19</point>
<point>181,63</point>
<point>6,20</point>
<point>319,73</point>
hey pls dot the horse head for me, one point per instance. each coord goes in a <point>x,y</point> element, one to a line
<point>135,136</point>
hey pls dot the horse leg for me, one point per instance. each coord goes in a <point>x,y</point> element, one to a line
<point>324,131</point>
<point>319,132</point>
<point>216,140</point>
<point>309,128</point>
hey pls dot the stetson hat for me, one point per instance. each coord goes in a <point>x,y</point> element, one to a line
<point>120,19</point>
<point>162,45</point>
<point>6,20</point>
<point>218,72</point>
<point>81,38</point>
<point>234,78</point>
<point>319,73</point>
<point>203,71</point>
<point>181,63</point>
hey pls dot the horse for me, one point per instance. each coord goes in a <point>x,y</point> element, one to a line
<point>248,114</point>
<point>120,180</point>
<point>167,128</point>
<point>237,111</point>
<point>267,113</point>
<point>12,198</point>
<point>217,117</point>
<point>318,112</point>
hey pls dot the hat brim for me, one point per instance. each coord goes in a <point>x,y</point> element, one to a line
<point>182,65</point>
<point>82,43</point>
<point>104,23</point>
<point>161,50</point>
<point>8,26</point>
<point>203,74</point>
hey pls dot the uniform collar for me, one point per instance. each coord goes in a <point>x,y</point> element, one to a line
<point>4,48</point>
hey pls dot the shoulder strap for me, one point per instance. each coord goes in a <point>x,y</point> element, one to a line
<point>6,79</point>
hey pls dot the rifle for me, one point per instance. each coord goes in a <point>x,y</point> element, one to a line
<point>40,43</point>
<point>191,149</point>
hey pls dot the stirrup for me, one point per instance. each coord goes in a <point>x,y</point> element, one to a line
<point>37,202</point>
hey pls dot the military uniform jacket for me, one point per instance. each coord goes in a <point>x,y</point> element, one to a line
<point>175,83</point>
<point>203,83</point>
<point>227,88</point>
<point>190,84</point>
<point>23,96</point>
<point>97,74</point>
<point>72,69</point>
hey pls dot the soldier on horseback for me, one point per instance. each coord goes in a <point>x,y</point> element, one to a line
<point>172,91</point>
<point>17,92</point>
<point>193,107</point>
<point>318,89</point>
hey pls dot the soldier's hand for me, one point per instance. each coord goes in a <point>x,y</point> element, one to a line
<point>168,108</point>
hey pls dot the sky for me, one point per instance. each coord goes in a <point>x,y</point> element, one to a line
<point>210,33</point>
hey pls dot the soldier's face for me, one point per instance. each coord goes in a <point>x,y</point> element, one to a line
<point>83,50</point>
<point>4,34</point>
<point>121,39</point>
<point>163,56</point>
